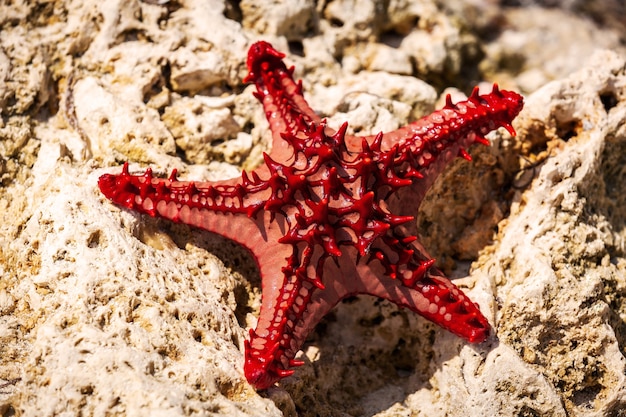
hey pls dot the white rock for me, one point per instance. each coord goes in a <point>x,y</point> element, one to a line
<point>559,258</point>
<point>292,19</point>
<point>104,311</point>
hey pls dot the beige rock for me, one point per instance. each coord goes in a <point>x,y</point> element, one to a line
<point>381,57</point>
<point>350,20</point>
<point>291,19</point>
<point>541,46</point>
<point>559,261</point>
<point>434,45</point>
<point>204,132</point>
<point>411,97</point>
<point>106,312</point>
<point>117,126</point>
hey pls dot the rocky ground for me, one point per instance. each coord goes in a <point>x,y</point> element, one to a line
<point>106,312</point>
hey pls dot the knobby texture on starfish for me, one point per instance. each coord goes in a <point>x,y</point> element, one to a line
<point>328,215</point>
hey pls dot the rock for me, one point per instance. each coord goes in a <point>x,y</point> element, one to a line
<point>119,126</point>
<point>103,311</point>
<point>291,19</point>
<point>381,57</point>
<point>200,130</point>
<point>411,97</point>
<point>536,48</point>
<point>558,264</point>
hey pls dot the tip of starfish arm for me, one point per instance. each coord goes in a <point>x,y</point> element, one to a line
<point>114,187</point>
<point>439,300</point>
<point>258,52</point>
<point>107,184</point>
<point>258,375</point>
<point>479,331</point>
<point>471,326</point>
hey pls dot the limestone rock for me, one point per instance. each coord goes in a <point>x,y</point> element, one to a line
<point>292,19</point>
<point>106,312</point>
<point>559,262</point>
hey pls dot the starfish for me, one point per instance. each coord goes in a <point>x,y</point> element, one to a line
<point>328,215</point>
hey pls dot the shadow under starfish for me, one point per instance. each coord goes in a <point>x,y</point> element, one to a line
<point>328,215</point>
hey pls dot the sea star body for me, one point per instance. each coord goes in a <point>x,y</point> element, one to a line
<point>328,215</point>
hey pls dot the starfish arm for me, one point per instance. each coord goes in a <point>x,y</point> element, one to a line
<point>437,299</point>
<point>428,293</point>
<point>450,130</point>
<point>182,200</point>
<point>272,346</point>
<point>429,144</point>
<point>479,114</point>
<point>400,270</point>
<point>218,207</point>
<point>287,111</point>
<point>283,299</point>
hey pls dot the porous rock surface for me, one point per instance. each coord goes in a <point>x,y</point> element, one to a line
<point>106,312</point>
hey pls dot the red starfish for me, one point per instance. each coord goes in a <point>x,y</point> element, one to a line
<point>328,215</point>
